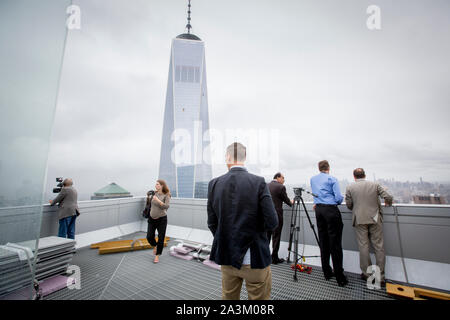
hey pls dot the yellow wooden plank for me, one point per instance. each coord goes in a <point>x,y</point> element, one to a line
<point>415,293</point>
<point>124,245</point>
<point>124,248</point>
<point>109,244</point>
<point>421,293</point>
<point>400,291</point>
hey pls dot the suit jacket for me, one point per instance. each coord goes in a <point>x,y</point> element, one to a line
<point>67,202</point>
<point>363,198</point>
<point>240,213</point>
<point>279,195</point>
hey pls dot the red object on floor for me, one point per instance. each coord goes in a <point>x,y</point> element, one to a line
<point>302,268</point>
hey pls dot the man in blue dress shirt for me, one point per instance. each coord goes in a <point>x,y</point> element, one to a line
<point>329,222</point>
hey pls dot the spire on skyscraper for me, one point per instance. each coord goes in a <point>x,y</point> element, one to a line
<point>188,26</point>
<point>188,35</point>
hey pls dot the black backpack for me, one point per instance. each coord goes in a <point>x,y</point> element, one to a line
<point>148,207</point>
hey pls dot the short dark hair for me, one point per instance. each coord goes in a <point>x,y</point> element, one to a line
<point>324,165</point>
<point>359,173</point>
<point>277,175</point>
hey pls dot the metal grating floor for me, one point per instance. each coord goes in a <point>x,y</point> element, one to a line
<point>133,275</point>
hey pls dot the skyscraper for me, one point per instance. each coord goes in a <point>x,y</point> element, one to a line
<point>185,161</point>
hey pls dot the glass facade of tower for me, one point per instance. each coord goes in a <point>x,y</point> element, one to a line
<point>185,161</point>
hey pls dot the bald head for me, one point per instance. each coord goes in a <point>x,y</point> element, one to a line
<point>67,182</point>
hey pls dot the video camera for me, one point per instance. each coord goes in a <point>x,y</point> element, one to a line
<point>298,191</point>
<point>151,193</point>
<point>59,186</point>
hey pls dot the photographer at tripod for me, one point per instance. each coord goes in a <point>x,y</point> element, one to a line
<point>279,195</point>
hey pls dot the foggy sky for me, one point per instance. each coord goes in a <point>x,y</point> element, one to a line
<point>310,69</point>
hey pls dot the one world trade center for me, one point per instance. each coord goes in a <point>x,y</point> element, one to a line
<point>185,161</point>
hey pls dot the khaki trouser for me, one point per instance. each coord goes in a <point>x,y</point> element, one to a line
<point>374,234</point>
<point>257,281</point>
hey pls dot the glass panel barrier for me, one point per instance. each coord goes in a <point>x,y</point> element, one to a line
<point>32,41</point>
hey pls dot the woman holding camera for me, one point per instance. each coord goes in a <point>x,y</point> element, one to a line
<point>158,217</point>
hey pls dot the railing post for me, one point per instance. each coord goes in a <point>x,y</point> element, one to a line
<point>400,242</point>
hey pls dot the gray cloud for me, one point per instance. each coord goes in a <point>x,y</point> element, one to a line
<point>310,69</point>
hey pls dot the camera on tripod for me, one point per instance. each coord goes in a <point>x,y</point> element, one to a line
<point>298,191</point>
<point>59,185</point>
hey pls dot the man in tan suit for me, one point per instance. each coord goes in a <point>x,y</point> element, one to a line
<point>363,198</point>
<point>67,209</point>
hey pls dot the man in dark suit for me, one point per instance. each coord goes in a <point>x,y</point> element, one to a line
<point>67,209</point>
<point>278,193</point>
<point>240,213</point>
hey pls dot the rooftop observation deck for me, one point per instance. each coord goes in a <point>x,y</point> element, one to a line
<point>416,244</point>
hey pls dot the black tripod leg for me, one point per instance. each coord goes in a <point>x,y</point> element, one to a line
<point>297,230</point>
<point>310,222</point>
<point>295,233</point>
<point>291,233</point>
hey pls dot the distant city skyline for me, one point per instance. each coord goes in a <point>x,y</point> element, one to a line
<point>402,193</point>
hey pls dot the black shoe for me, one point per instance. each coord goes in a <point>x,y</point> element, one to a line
<point>277,261</point>
<point>342,280</point>
<point>363,277</point>
<point>328,276</point>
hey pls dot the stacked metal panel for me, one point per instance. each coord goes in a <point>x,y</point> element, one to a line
<point>14,273</point>
<point>53,257</point>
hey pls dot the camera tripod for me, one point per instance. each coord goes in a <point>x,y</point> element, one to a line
<point>295,229</point>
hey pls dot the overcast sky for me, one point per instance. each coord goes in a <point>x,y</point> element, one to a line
<point>311,70</point>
